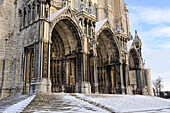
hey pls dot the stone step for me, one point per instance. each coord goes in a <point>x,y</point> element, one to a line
<point>18,107</point>
<point>60,103</point>
<point>9,101</point>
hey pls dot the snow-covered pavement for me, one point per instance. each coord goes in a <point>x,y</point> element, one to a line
<point>18,107</point>
<point>80,103</point>
<point>61,103</point>
<point>129,103</point>
<point>13,103</point>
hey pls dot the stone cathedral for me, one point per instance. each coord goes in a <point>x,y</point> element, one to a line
<point>71,46</point>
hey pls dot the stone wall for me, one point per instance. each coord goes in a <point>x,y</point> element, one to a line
<point>8,27</point>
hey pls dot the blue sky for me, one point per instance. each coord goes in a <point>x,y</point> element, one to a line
<point>152,20</point>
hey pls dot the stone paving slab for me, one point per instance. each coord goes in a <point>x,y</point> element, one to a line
<point>128,103</point>
<point>102,103</point>
<point>60,103</point>
<point>9,101</point>
<point>153,111</point>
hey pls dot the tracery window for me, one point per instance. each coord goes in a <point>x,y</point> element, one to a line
<point>24,17</point>
<point>29,14</point>
<point>76,4</point>
<point>33,12</point>
<point>20,14</point>
<point>38,11</point>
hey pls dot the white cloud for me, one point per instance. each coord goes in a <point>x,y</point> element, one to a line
<point>150,15</point>
<point>158,31</point>
<point>158,37</point>
<point>152,24</point>
<point>168,46</point>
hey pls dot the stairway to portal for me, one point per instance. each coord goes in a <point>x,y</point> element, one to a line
<point>9,101</point>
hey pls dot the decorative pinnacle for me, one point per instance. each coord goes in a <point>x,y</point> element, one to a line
<point>136,35</point>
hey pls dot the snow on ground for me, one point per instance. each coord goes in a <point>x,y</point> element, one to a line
<point>71,104</point>
<point>81,104</point>
<point>95,103</point>
<point>129,103</point>
<point>16,108</point>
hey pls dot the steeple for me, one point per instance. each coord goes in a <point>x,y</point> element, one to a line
<point>138,42</point>
<point>136,36</point>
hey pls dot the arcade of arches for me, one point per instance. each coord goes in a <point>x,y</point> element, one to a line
<point>63,47</point>
<point>78,58</point>
<point>67,68</point>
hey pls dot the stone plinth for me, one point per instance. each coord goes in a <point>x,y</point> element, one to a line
<point>44,86</point>
<point>86,88</point>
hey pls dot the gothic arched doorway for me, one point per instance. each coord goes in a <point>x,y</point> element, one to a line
<point>65,57</point>
<point>108,63</point>
<point>135,72</point>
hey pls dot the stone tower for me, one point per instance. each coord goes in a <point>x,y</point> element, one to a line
<point>147,72</point>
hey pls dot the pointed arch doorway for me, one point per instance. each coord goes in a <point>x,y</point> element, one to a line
<point>135,72</point>
<point>65,57</point>
<point>108,63</point>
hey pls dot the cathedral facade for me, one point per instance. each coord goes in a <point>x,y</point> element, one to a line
<point>72,46</point>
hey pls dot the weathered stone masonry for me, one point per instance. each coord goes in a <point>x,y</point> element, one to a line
<point>70,46</point>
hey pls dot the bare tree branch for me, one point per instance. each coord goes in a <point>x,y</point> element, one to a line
<point>157,84</point>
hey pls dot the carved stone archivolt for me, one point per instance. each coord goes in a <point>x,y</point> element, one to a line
<point>108,58</point>
<point>134,59</point>
<point>65,61</point>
